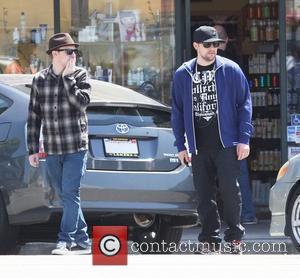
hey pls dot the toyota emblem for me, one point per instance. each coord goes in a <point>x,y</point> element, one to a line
<point>122,128</point>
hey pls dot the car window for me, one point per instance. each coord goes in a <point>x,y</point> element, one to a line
<point>136,116</point>
<point>5,103</point>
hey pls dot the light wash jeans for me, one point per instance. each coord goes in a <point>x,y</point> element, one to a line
<point>65,172</point>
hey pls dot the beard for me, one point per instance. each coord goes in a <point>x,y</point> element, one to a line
<point>209,57</point>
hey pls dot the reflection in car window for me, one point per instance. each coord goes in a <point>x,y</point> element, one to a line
<point>24,88</point>
<point>143,117</point>
<point>5,103</point>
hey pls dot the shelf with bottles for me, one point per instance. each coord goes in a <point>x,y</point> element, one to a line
<point>266,128</point>
<point>99,66</point>
<point>262,9</point>
<point>267,99</point>
<point>263,81</point>
<point>264,30</point>
<point>132,71</point>
<point>260,188</point>
<point>265,160</point>
<point>24,34</point>
<point>262,20</point>
<point>262,63</point>
<point>137,76</point>
<point>260,191</point>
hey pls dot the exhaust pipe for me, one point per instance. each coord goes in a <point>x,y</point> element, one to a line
<point>144,220</point>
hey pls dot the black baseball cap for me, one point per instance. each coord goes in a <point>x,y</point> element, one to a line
<point>206,34</point>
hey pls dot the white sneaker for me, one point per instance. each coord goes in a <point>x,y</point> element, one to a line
<point>61,249</point>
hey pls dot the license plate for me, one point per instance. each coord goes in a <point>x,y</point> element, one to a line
<point>121,147</point>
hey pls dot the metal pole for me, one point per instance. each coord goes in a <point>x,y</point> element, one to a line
<point>56,5</point>
<point>283,79</point>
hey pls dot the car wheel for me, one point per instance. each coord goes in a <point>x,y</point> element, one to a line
<point>293,220</point>
<point>160,239</point>
<point>8,233</point>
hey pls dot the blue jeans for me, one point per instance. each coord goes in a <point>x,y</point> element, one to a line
<point>65,172</point>
<point>248,211</point>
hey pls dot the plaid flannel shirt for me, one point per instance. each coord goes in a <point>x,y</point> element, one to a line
<point>58,105</point>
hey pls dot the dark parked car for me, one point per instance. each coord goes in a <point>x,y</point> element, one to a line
<point>133,173</point>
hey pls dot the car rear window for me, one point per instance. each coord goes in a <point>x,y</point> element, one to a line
<point>136,116</point>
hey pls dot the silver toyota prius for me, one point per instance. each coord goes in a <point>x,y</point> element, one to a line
<point>133,176</point>
<point>285,202</point>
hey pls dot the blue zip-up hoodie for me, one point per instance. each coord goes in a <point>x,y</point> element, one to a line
<point>233,102</point>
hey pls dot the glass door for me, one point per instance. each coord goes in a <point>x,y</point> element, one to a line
<point>293,76</point>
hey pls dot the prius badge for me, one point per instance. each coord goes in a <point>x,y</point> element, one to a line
<point>122,128</point>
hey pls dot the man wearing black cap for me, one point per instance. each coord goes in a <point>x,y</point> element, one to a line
<point>59,97</point>
<point>211,108</point>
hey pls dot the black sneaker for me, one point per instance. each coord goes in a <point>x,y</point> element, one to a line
<point>236,247</point>
<point>208,248</point>
<point>249,221</point>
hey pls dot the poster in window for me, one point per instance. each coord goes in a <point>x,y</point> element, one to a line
<point>129,24</point>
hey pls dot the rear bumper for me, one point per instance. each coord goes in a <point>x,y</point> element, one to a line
<point>45,215</point>
<point>139,191</point>
<point>160,193</point>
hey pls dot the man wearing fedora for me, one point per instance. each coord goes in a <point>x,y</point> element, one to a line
<point>59,97</point>
<point>211,108</point>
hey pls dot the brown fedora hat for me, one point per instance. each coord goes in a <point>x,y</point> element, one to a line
<point>60,39</point>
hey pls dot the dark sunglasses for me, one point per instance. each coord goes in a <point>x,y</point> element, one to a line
<point>69,51</point>
<point>208,44</point>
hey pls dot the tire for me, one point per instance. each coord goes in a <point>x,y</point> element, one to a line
<point>8,233</point>
<point>293,219</point>
<point>156,239</point>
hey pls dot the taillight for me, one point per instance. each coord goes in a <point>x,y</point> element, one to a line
<point>42,153</point>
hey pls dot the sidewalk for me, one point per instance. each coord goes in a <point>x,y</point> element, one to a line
<point>256,235</point>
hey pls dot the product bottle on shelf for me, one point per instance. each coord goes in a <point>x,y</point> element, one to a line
<point>274,9</point>
<point>251,9</point>
<point>259,9</point>
<point>143,32</point>
<point>253,31</point>
<point>269,31</point>
<point>129,78</point>
<point>16,36</point>
<point>269,98</point>
<point>23,27</point>
<point>38,37</point>
<point>266,9</point>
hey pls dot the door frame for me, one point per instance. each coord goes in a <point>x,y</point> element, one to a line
<point>182,31</point>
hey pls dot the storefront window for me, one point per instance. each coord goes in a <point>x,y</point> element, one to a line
<point>130,43</point>
<point>25,29</point>
<point>293,75</point>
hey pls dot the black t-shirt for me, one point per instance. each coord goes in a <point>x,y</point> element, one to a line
<point>205,108</point>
